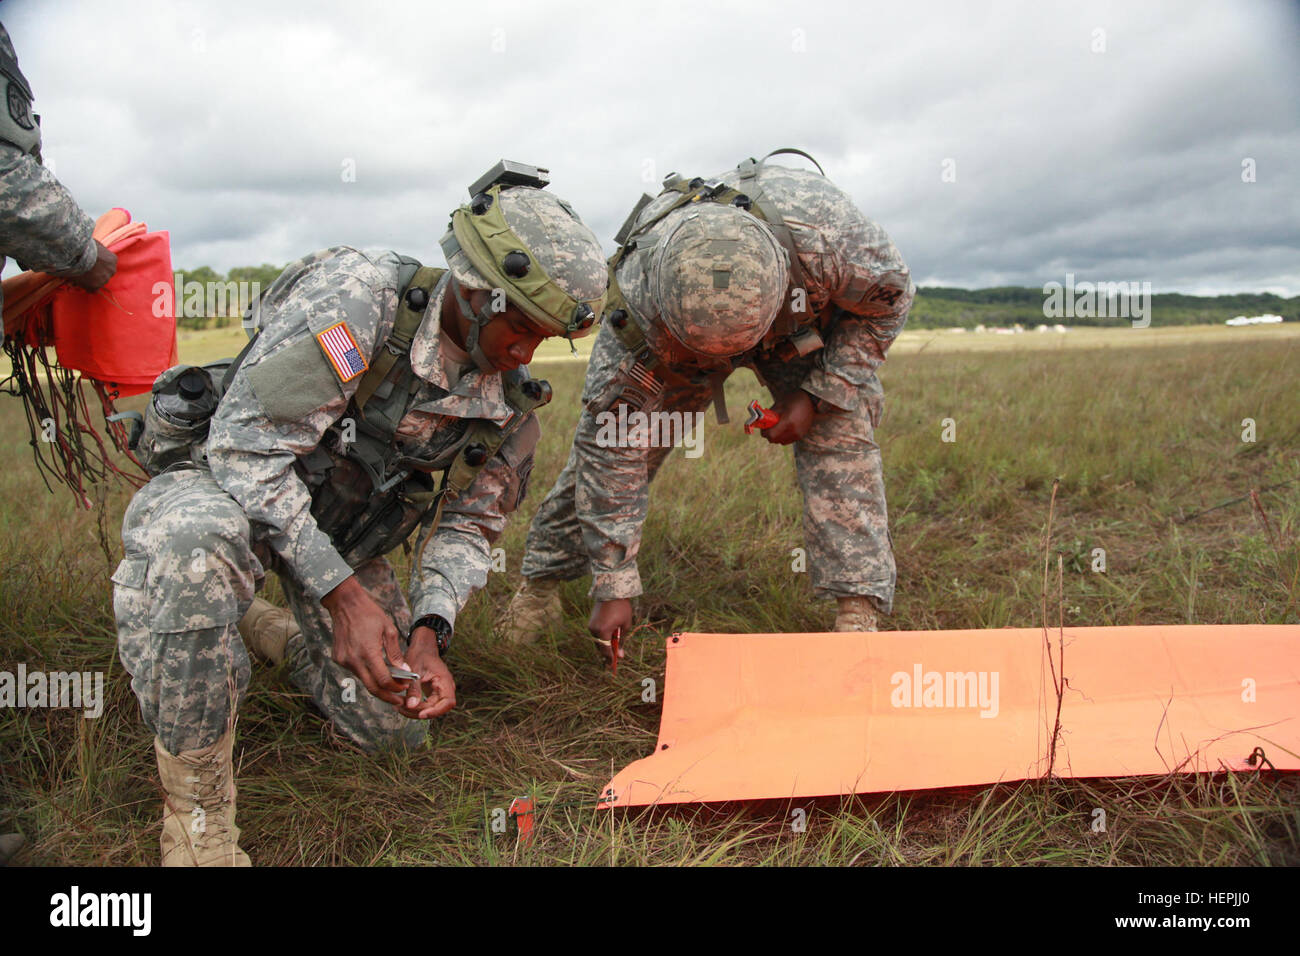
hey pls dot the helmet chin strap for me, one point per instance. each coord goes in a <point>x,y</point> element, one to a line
<point>476,323</point>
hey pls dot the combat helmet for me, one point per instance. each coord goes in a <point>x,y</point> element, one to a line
<point>716,278</point>
<point>530,244</point>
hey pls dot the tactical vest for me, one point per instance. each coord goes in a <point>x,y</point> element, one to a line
<point>366,495</point>
<point>792,333</point>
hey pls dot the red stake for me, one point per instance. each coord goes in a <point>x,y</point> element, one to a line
<point>760,417</point>
<point>521,811</point>
<point>613,646</point>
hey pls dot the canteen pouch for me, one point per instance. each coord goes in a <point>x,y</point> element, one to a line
<point>165,442</point>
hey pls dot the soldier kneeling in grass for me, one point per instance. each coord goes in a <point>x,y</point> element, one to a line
<point>369,374</point>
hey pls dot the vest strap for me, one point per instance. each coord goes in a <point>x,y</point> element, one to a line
<point>398,343</point>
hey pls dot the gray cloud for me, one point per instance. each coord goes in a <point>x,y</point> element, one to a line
<point>230,124</point>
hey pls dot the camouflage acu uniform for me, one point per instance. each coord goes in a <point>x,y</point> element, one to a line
<point>41,225</point>
<point>591,520</point>
<point>198,539</point>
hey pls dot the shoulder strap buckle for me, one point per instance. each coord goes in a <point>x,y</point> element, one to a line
<point>409,317</point>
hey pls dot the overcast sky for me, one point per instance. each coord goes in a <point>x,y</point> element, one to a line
<point>1106,140</point>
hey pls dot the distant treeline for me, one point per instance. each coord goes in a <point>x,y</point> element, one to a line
<point>940,307</point>
<point>208,299</point>
<point>935,306</point>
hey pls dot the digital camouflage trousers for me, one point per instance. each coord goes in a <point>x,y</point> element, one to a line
<point>839,469</point>
<point>189,573</point>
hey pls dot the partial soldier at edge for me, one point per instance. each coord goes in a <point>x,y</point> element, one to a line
<point>41,225</point>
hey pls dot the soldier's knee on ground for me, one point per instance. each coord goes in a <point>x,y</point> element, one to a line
<point>378,737</point>
<point>412,736</point>
<point>341,698</point>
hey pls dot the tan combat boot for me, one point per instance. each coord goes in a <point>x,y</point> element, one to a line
<point>534,608</point>
<point>266,630</point>
<point>855,614</point>
<point>199,806</point>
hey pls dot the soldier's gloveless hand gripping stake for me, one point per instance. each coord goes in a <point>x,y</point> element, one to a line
<point>760,418</point>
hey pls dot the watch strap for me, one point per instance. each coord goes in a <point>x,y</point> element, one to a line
<point>441,630</point>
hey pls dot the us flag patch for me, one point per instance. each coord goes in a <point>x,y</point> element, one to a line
<point>645,378</point>
<point>337,342</point>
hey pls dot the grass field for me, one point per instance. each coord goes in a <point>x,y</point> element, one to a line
<point>1142,439</point>
<point>207,345</point>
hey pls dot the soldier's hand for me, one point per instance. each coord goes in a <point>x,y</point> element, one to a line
<point>607,619</point>
<point>436,683</point>
<point>363,632</point>
<point>796,413</point>
<point>104,269</point>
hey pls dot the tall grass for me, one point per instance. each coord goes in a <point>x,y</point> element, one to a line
<point>1141,439</point>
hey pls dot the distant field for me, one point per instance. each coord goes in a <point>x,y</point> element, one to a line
<point>1143,439</point>
<point>198,347</point>
<point>1085,337</point>
<point>208,345</point>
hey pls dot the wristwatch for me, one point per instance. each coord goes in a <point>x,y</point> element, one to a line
<point>441,631</point>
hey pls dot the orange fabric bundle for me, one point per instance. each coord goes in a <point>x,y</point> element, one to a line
<point>754,716</point>
<point>26,293</point>
<point>113,335</point>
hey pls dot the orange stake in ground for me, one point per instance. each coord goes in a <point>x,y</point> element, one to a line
<point>753,716</point>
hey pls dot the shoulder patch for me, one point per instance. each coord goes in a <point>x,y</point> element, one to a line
<point>341,349</point>
<point>20,107</point>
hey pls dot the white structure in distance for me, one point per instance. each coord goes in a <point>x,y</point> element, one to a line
<point>1255,320</point>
